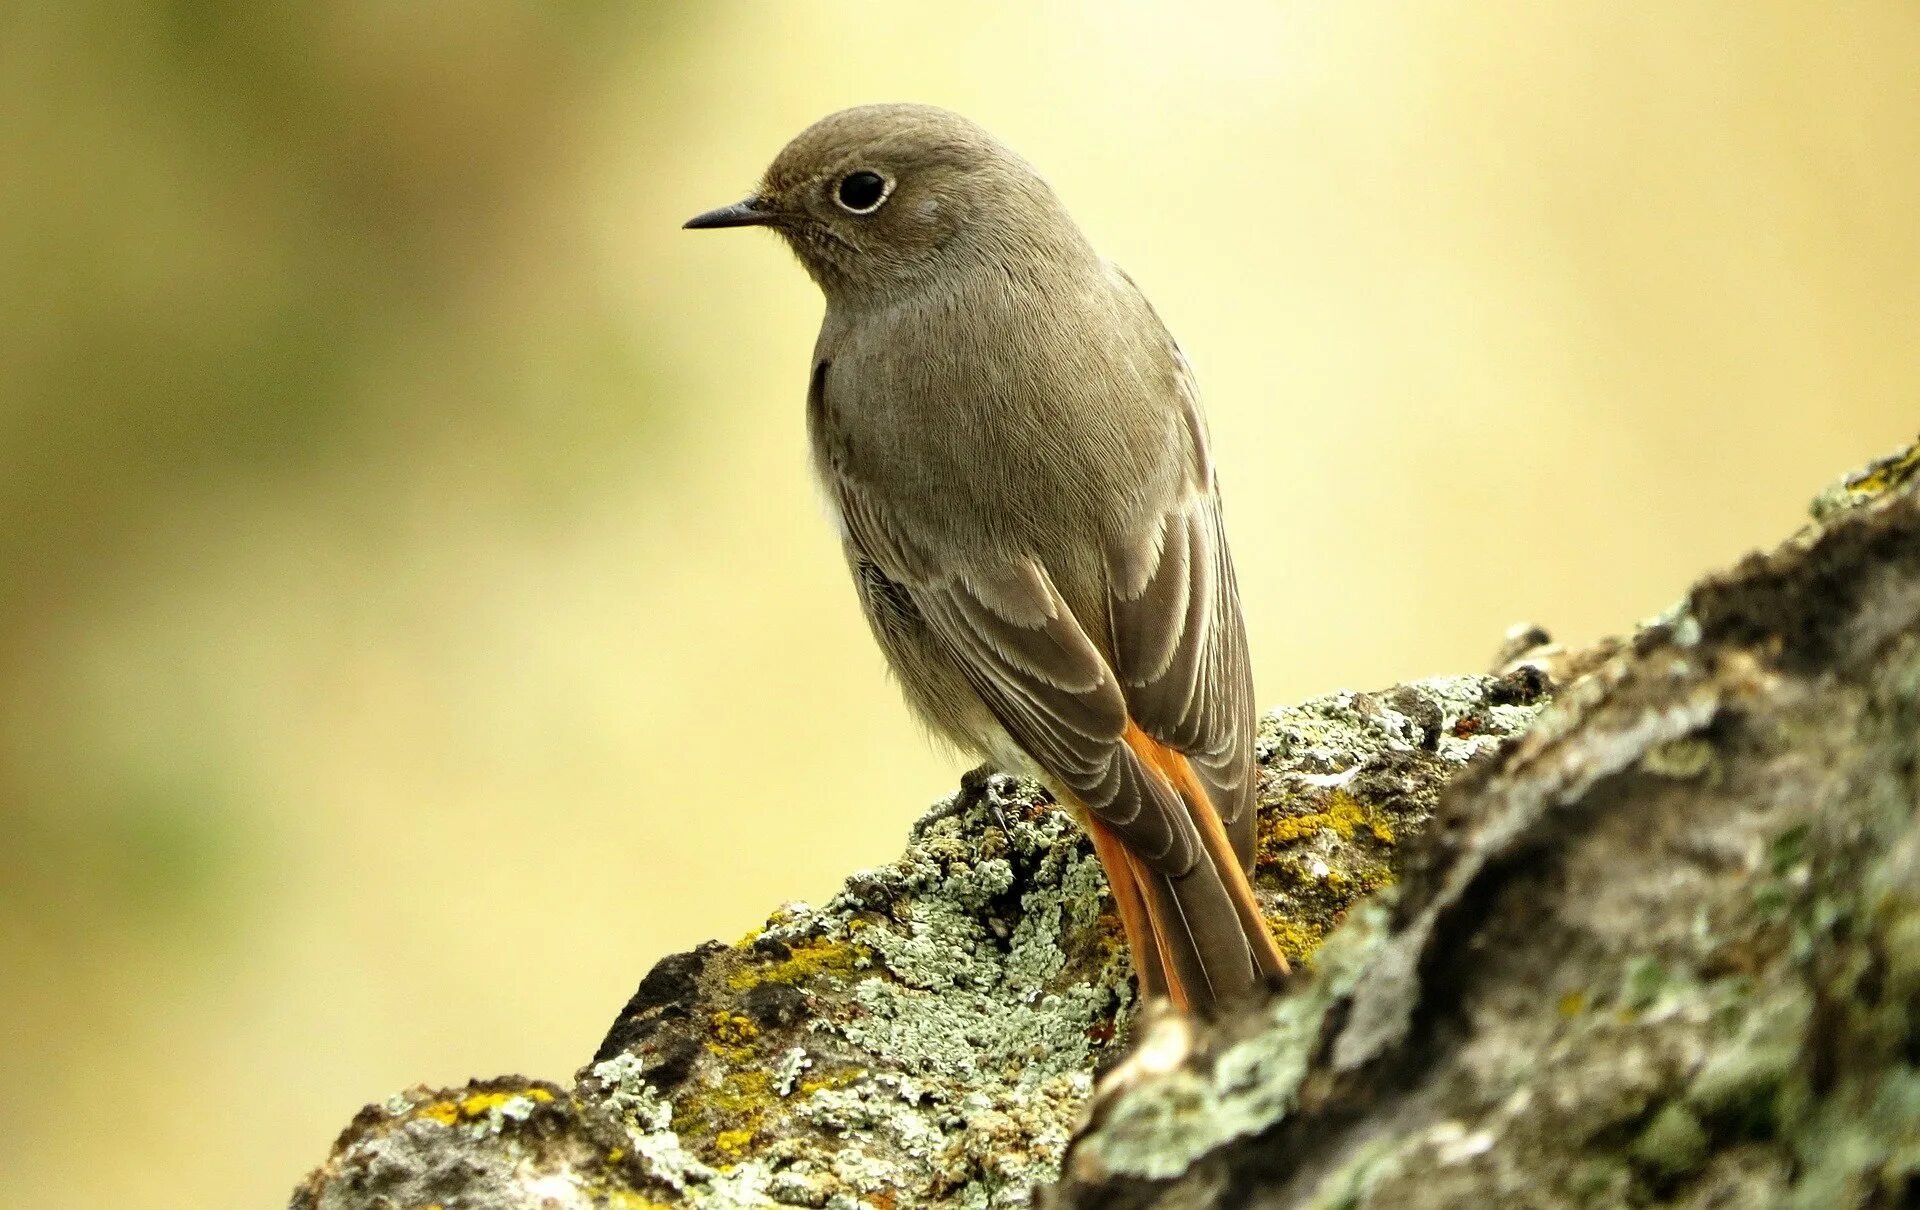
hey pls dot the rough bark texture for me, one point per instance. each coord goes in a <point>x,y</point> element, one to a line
<point>1663,948</point>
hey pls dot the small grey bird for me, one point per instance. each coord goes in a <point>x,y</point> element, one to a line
<point>1013,449</point>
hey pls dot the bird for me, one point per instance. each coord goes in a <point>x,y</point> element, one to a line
<point>1013,451</point>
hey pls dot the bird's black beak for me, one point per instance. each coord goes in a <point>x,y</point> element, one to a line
<point>751,213</point>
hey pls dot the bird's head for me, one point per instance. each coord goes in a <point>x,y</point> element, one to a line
<point>880,199</point>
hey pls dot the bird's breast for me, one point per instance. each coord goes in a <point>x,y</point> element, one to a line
<point>997,421</point>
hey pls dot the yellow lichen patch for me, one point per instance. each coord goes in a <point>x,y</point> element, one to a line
<point>1296,940</point>
<point>732,1143</point>
<point>1367,878</point>
<point>1572,1004</point>
<point>732,1028</point>
<point>1343,815</point>
<point>445,1112</point>
<point>736,1107</point>
<point>733,1037</point>
<point>476,1104</point>
<point>1323,881</point>
<point>806,961</point>
<point>830,1081</point>
<point>1889,474</point>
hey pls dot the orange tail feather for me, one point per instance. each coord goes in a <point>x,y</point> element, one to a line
<point>1199,938</point>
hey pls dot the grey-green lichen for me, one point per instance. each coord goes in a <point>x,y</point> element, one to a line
<point>1160,1128</point>
<point>1349,779</point>
<point>930,1036</point>
<point>524,1143</point>
<point>1659,945</point>
<point>1663,951</point>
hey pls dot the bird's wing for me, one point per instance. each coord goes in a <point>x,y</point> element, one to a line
<point>1035,666</point>
<point>1178,641</point>
<point>1178,670</point>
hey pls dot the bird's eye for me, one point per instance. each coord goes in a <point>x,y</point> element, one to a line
<point>862,192</point>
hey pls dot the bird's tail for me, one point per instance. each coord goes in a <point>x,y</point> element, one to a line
<point>1198,937</point>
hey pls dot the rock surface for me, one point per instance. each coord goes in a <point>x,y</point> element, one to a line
<point>1664,948</point>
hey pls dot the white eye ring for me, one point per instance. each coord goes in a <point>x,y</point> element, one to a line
<point>862,181</point>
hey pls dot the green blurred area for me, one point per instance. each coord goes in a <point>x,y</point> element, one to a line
<point>248,256</point>
<point>414,615</point>
<point>263,271</point>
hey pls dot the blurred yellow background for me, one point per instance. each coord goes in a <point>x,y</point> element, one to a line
<point>415,617</point>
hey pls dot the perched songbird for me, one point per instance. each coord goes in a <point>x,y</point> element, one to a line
<point>1012,447</point>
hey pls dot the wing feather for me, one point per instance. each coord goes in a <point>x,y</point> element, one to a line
<point>1179,642</point>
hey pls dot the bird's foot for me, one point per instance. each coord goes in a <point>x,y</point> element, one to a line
<point>974,784</point>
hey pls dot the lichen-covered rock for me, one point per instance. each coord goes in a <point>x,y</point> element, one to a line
<point>1871,481</point>
<point>930,1036</point>
<point>508,1142</point>
<point>1662,950</point>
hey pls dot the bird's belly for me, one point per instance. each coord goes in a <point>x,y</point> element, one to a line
<point>938,692</point>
